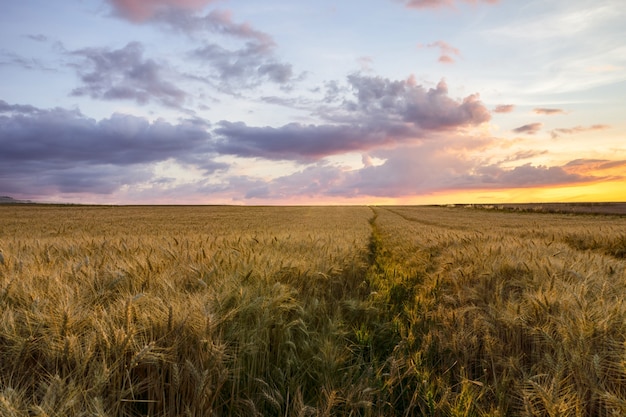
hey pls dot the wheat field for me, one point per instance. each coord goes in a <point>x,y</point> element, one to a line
<point>310,311</point>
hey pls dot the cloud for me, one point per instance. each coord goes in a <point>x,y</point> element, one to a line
<point>31,64</point>
<point>234,66</point>
<point>521,155</point>
<point>123,74</point>
<point>577,129</point>
<point>529,129</point>
<point>527,176</point>
<point>614,170</point>
<point>446,51</point>
<point>377,112</point>
<point>141,10</point>
<point>315,180</point>
<point>504,108</point>
<point>245,67</point>
<point>413,170</point>
<point>612,164</point>
<point>216,22</point>
<point>367,160</point>
<point>58,151</point>
<point>183,16</point>
<point>548,112</point>
<point>403,101</point>
<point>435,4</point>
<point>64,151</point>
<point>37,38</point>
<point>304,142</point>
<point>17,108</point>
<point>67,136</point>
<point>238,67</point>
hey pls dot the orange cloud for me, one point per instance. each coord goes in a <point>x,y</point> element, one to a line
<point>597,167</point>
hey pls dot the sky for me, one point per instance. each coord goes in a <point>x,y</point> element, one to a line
<point>328,102</point>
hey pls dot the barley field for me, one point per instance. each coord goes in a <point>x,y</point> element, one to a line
<point>310,311</point>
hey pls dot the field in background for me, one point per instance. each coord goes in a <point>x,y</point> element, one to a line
<point>310,311</point>
<point>564,208</point>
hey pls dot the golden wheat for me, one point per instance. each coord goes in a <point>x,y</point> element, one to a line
<point>311,311</point>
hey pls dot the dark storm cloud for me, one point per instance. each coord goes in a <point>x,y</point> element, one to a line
<point>124,74</point>
<point>64,150</point>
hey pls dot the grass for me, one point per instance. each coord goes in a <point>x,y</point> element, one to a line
<point>310,311</point>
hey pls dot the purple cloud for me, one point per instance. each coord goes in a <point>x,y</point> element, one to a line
<point>17,108</point>
<point>216,21</point>
<point>410,171</point>
<point>31,64</point>
<point>529,129</point>
<point>235,67</point>
<point>245,67</point>
<point>48,148</point>
<point>123,74</point>
<point>405,101</point>
<point>380,113</point>
<point>304,142</point>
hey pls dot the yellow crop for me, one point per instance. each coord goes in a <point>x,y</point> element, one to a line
<point>310,311</point>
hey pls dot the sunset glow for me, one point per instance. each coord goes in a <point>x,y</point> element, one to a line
<point>275,102</point>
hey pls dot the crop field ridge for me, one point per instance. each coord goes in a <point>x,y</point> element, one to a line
<point>310,311</point>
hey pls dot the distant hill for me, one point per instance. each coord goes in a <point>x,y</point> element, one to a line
<point>5,199</point>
